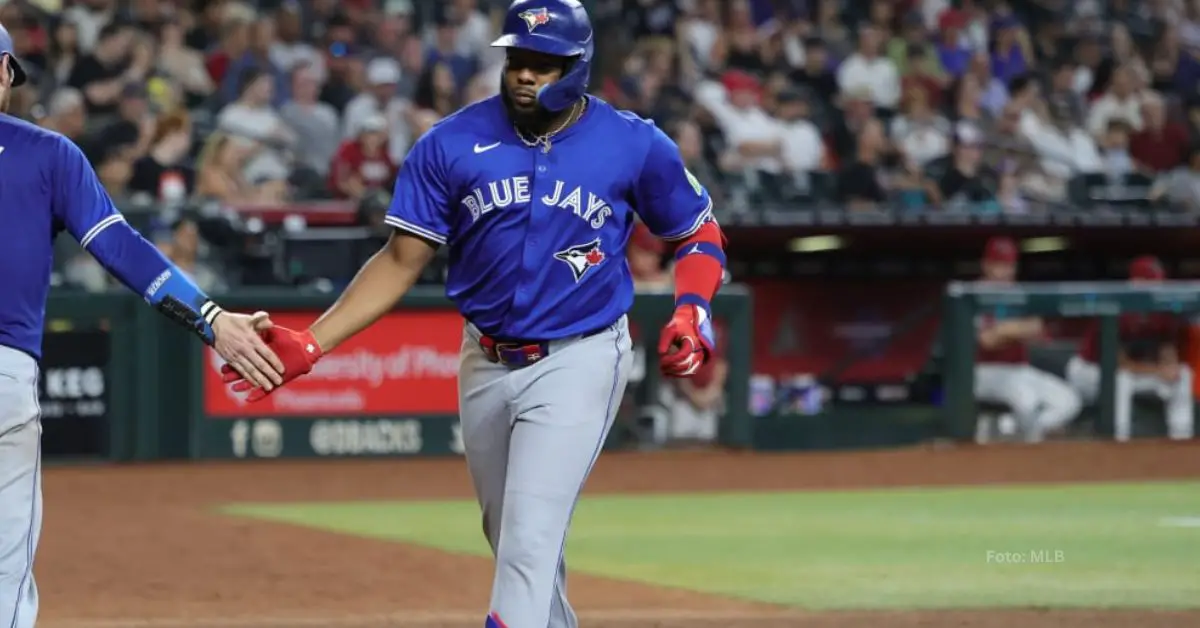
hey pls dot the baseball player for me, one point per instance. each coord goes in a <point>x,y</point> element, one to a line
<point>1148,362</point>
<point>535,192</point>
<point>47,186</point>
<point>1039,401</point>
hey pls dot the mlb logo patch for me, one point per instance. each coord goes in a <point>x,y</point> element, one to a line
<point>535,17</point>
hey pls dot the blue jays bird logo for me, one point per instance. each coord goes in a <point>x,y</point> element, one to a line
<point>535,17</point>
<point>582,257</point>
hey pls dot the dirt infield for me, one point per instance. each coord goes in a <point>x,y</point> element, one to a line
<point>138,546</point>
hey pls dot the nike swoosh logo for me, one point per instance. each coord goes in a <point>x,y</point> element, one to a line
<point>1,150</point>
<point>484,149</point>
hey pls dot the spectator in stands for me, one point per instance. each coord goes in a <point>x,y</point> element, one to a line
<point>184,249</point>
<point>64,51</point>
<point>183,65</point>
<point>67,114</point>
<point>1089,64</point>
<point>362,165</point>
<point>1123,52</point>
<point>953,52</point>
<point>816,74</point>
<point>993,89</point>
<point>695,405</point>
<point>919,132</point>
<point>802,147</point>
<point>234,42</point>
<point>289,49</point>
<point>437,90</point>
<point>473,35</point>
<point>1114,150</point>
<point>968,184</point>
<point>924,73</point>
<point>911,50</point>
<point>380,97</point>
<point>1162,144</point>
<point>1119,103</point>
<point>700,31</point>
<point>257,57</point>
<point>751,135</point>
<point>347,77</point>
<point>1180,188</point>
<point>90,17</point>
<point>1064,147</point>
<point>737,46</point>
<point>1172,68</point>
<point>251,116</point>
<point>867,68</point>
<point>1011,51</point>
<point>860,183</point>
<point>162,173</point>
<point>833,30</point>
<point>316,125</point>
<point>688,137</point>
<point>220,175</point>
<point>114,171</point>
<point>856,112</point>
<point>132,129</point>
<point>412,65</point>
<point>102,74</point>
<point>445,50</point>
<point>1062,88</point>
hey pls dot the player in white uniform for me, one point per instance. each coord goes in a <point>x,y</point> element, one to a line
<point>1149,363</point>
<point>1040,401</point>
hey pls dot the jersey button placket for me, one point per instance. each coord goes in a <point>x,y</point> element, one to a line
<point>531,262</point>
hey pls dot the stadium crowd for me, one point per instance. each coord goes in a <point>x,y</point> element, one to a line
<point>923,105</point>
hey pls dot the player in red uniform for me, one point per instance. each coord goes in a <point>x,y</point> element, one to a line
<point>1039,401</point>
<point>1148,362</point>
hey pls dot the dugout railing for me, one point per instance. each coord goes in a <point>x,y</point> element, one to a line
<point>964,301</point>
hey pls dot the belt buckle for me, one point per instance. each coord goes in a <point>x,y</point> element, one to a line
<point>518,355</point>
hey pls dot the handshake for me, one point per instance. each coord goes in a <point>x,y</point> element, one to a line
<point>261,356</point>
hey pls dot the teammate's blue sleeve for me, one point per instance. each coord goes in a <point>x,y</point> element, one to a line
<point>421,199</point>
<point>670,200</point>
<point>82,205</point>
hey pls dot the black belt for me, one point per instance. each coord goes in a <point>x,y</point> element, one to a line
<point>522,353</point>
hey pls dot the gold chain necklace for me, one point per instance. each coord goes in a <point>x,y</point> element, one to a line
<point>544,140</point>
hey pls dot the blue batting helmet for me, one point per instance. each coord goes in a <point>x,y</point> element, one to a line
<point>6,50</point>
<point>553,27</point>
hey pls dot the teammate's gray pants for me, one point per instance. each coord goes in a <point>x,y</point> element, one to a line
<point>531,437</point>
<point>20,487</point>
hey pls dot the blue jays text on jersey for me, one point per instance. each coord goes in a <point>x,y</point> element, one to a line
<point>537,239</point>
<point>507,192</point>
<point>47,186</point>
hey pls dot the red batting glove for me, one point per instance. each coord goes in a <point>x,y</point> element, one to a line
<point>686,343</point>
<point>298,350</point>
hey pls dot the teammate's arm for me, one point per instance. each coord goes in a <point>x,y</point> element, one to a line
<point>80,204</point>
<point>677,208</point>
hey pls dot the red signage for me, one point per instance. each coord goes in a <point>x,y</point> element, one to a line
<point>814,325</point>
<point>404,364</point>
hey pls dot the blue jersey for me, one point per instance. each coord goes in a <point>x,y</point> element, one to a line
<point>537,239</point>
<point>47,186</point>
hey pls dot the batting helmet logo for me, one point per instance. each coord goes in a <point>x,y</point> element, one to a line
<point>535,17</point>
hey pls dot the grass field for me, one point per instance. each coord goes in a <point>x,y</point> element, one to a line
<point>1095,546</point>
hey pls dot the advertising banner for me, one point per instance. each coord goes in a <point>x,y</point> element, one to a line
<point>405,364</point>
<point>73,391</point>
